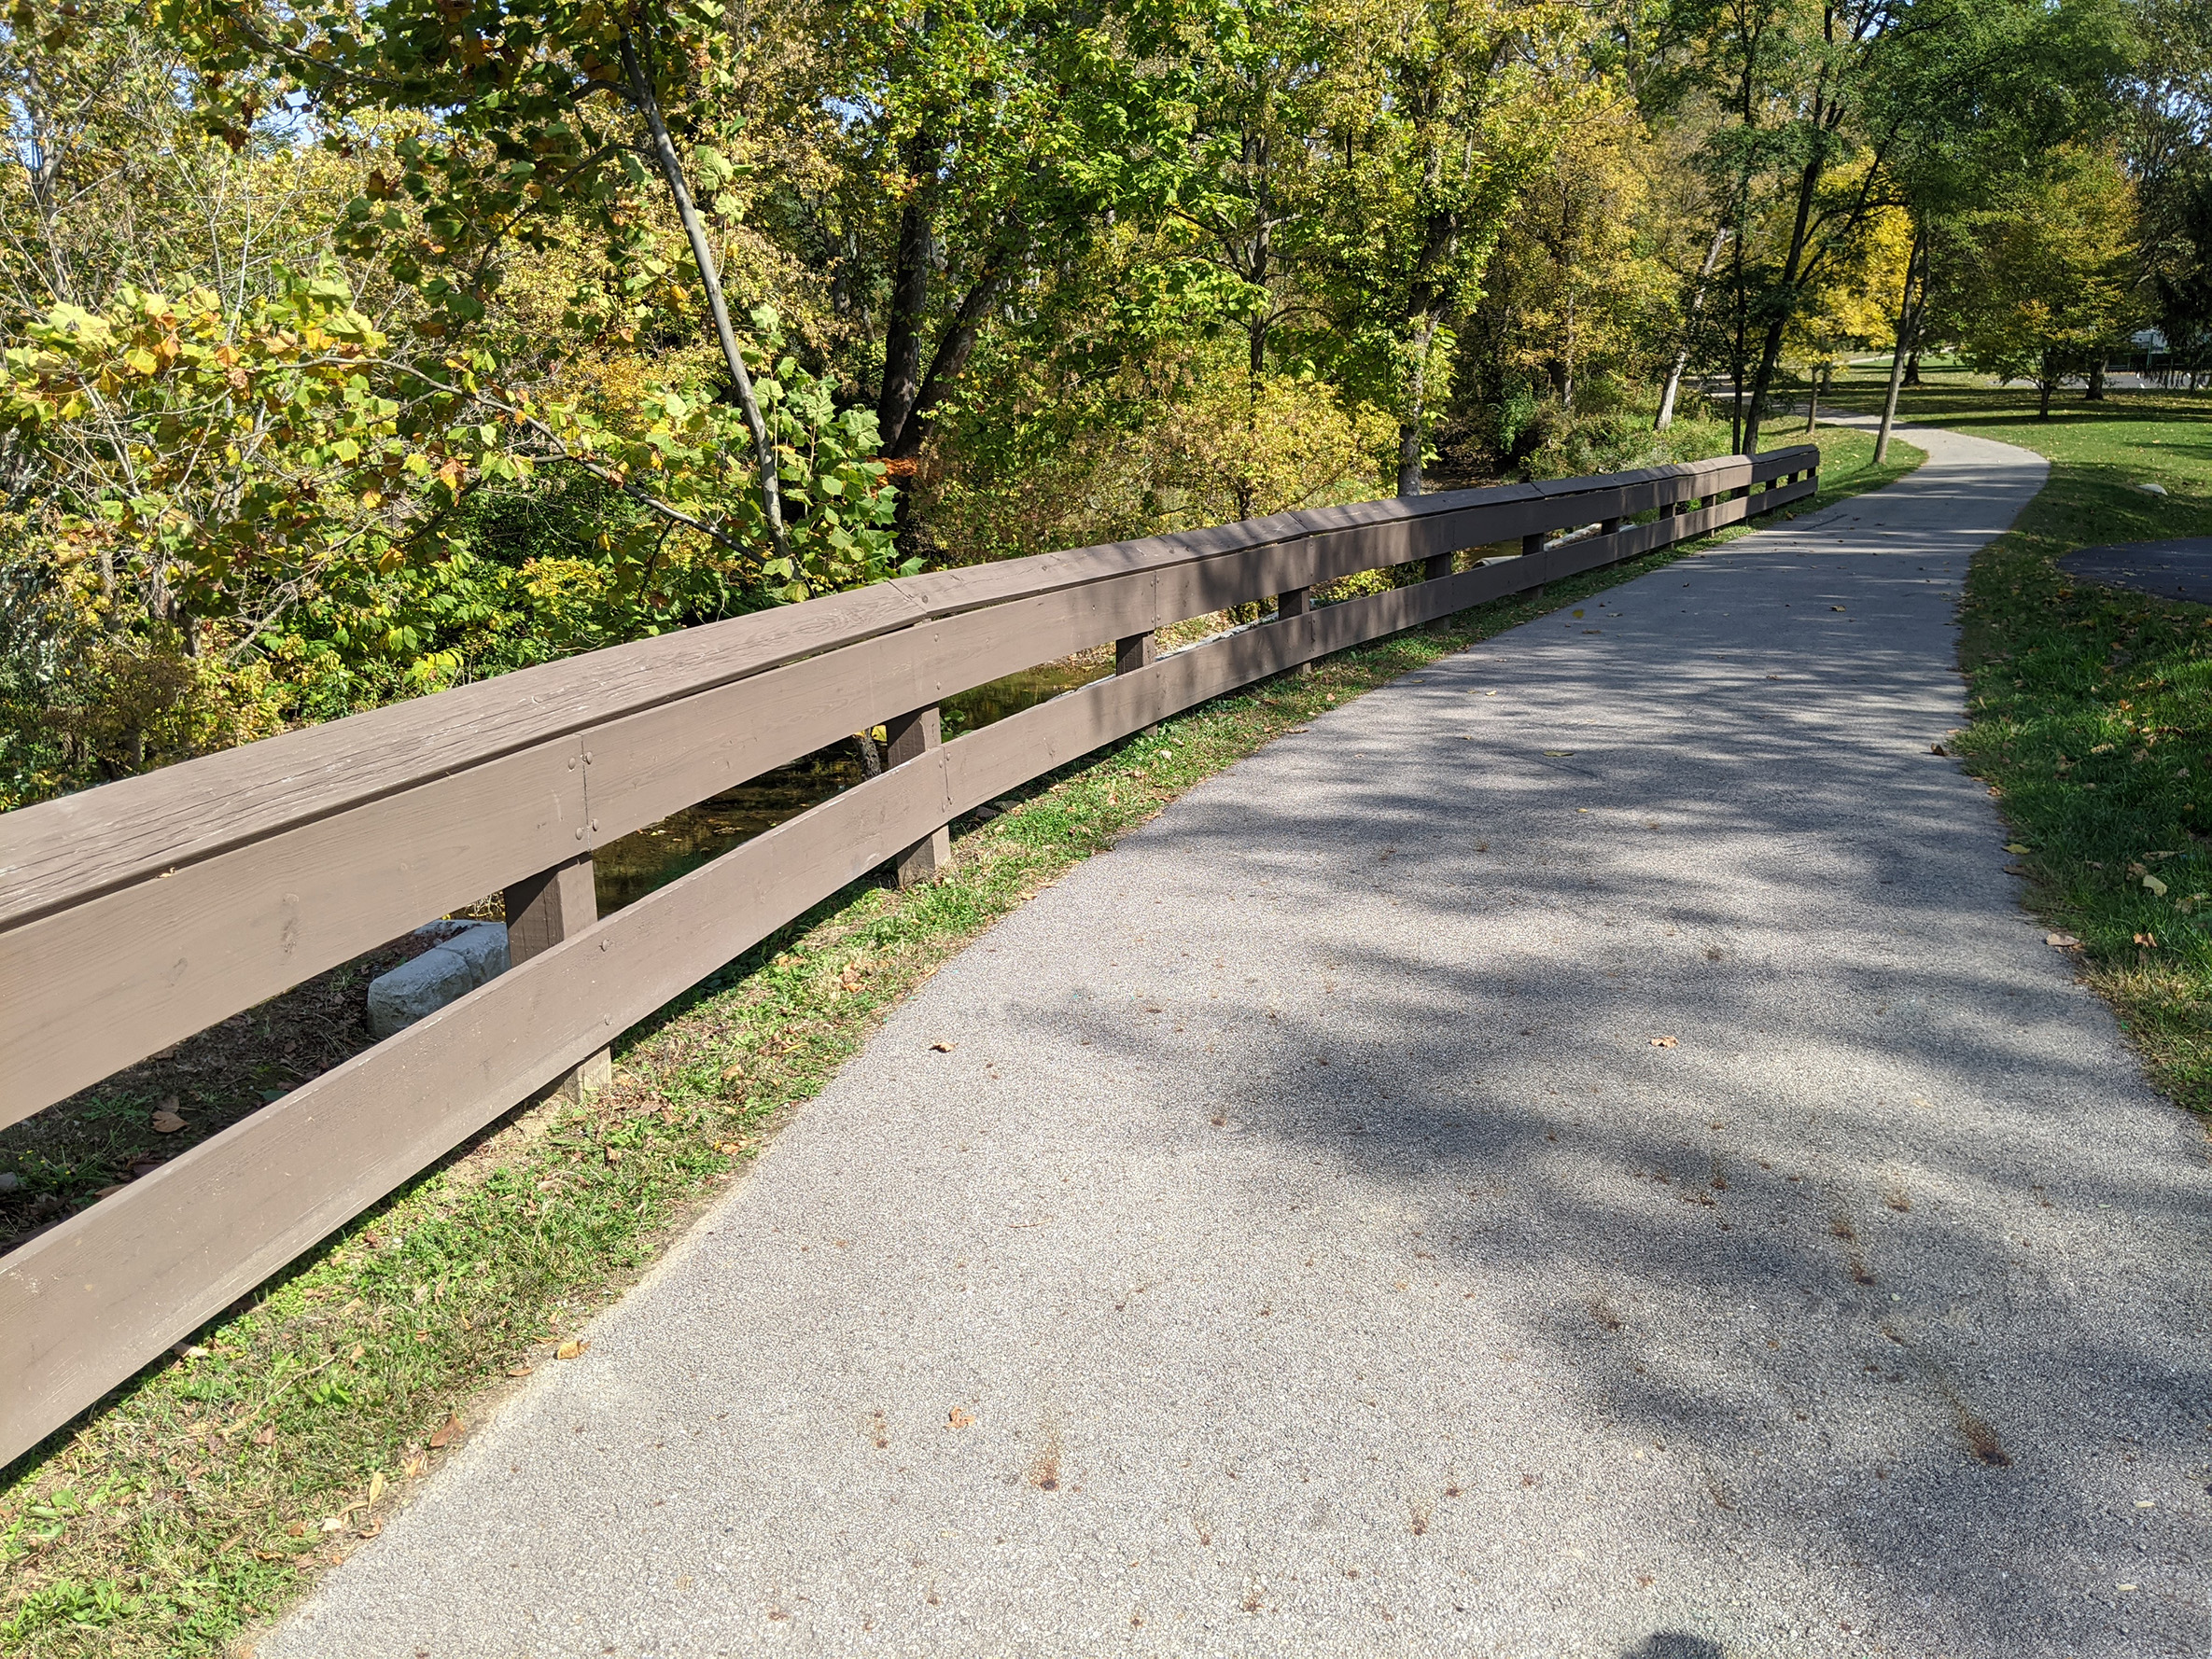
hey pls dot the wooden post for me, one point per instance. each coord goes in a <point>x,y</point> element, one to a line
<point>1131,653</point>
<point>543,910</point>
<point>1531,545</point>
<point>1298,602</point>
<point>912,736</point>
<point>1437,565</point>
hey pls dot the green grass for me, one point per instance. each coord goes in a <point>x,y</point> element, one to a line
<point>2092,708</point>
<point>203,1496</point>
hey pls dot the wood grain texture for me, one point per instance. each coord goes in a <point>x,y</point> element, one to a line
<point>147,964</point>
<point>93,988</point>
<point>85,1305</point>
<point>63,852</point>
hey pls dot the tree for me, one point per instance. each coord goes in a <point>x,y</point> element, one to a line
<point>1442,111</point>
<point>2054,273</point>
<point>537,117</point>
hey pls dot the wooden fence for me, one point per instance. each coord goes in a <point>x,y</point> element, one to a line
<point>140,913</point>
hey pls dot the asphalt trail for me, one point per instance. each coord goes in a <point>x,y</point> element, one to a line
<point>1306,1250</point>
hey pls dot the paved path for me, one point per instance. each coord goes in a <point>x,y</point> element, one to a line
<point>2180,569</point>
<point>1306,1250</point>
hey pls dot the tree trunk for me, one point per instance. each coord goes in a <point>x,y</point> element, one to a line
<point>1769,357</point>
<point>909,296</point>
<point>2097,381</point>
<point>1689,326</point>
<point>641,93</point>
<point>2046,383</point>
<point>1813,401</point>
<point>1913,368</point>
<point>1908,325</point>
<point>1410,423</point>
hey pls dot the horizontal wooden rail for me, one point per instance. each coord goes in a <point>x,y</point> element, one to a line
<point>141,911</point>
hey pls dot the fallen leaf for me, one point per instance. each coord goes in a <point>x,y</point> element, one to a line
<point>165,1120</point>
<point>358,1351</point>
<point>943,1048</point>
<point>332,1523</point>
<point>959,1419</point>
<point>520,1370</point>
<point>375,1487</point>
<point>1937,748</point>
<point>297,1529</point>
<point>1663,1042</point>
<point>1559,754</point>
<point>371,1528</point>
<point>2013,846</point>
<point>2155,885</point>
<point>2060,941</point>
<point>573,1349</point>
<point>265,1435</point>
<point>1835,607</point>
<point>2147,941</point>
<point>448,1431</point>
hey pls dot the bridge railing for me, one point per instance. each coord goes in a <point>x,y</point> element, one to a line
<point>136,914</point>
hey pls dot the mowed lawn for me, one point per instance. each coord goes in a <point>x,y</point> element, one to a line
<point>2093,706</point>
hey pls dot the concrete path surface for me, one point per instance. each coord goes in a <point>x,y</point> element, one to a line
<point>1580,1152</point>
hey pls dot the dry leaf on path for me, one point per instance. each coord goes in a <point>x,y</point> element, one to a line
<point>941,1047</point>
<point>573,1349</point>
<point>449,1432</point>
<point>2060,941</point>
<point>959,1419</point>
<point>520,1370</point>
<point>2013,846</point>
<point>1663,1042</point>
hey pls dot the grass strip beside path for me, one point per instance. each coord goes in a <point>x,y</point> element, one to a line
<point>2092,707</point>
<point>207,1494</point>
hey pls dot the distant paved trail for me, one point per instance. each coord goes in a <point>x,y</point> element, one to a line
<point>1331,1265</point>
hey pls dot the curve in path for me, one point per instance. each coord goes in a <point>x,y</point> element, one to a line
<point>1580,1151</point>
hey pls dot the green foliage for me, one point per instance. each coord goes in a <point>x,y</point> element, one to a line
<point>2053,277</point>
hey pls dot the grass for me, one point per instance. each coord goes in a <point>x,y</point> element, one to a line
<point>200,1498</point>
<point>2092,708</point>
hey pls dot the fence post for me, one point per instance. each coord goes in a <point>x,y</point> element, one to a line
<point>543,910</point>
<point>913,736</point>
<point>1131,653</point>
<point>1531,545</point>
<point>1435,565</point>
<point>1298,602</point>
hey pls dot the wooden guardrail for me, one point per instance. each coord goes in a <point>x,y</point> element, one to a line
<point>139,913</point>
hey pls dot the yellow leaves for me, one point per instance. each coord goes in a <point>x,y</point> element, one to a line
<point>574,1348</point>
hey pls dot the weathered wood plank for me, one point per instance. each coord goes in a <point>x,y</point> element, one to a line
<point>543,910</point>
<point>85,1305</point>
<point>102,985</point>
<point>60,852</point>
